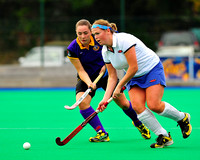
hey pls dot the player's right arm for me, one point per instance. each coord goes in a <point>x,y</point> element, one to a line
<point>111,84</point>
<point>81,72</point>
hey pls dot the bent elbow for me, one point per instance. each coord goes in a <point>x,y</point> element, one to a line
<point>135,69</point>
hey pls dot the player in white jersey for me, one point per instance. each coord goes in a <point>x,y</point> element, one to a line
<point>144,78</point>
<point>85,54</point>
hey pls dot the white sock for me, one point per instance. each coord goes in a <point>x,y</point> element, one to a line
<point>149,120</point>
<point>172,113</point>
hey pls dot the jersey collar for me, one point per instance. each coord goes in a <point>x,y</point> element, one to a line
<point>83,47</point>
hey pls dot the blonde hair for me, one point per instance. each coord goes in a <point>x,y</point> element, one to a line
<point>106,23</point>
<point>83,22</point>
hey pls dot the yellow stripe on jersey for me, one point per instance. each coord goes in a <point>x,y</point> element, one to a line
<point>72,57</point>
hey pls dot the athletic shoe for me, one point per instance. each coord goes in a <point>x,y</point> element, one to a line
<point>185,125</point>
<point>162,141</point>
<point>145,133</point>
<point>100,137</point>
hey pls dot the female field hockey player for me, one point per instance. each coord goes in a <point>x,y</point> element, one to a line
<point>85,54</point>
<point>144,78</point>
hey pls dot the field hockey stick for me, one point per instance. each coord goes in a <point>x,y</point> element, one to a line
<point>85,94</point>
<point>83,124</point>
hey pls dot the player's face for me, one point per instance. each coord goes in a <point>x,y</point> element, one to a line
<point>83,33</point>
<point>100,35</point>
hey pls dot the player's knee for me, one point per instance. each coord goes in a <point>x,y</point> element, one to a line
<point>84,105</point>
<point>138,107</point>
<point>154,106</point>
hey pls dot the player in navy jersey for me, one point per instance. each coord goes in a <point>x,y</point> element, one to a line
<point>144,77</point>
<point>85,54</point>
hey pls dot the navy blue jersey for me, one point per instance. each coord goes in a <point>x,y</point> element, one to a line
<point>90,58</point>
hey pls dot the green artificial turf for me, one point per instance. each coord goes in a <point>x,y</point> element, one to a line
<point>38,116</point>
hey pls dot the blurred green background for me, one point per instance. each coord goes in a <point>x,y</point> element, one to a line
<point>27,23</point>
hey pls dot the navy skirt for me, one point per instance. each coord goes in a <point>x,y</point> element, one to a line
<point>155,76</point>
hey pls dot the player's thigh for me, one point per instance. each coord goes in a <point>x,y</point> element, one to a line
<point>154,96</point>
<point>138,98</point>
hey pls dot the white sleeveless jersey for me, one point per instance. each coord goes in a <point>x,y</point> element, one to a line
<point>146,58</point>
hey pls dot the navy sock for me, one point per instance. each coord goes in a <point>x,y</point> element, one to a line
<point>95,122</point>
<point>133,115</point>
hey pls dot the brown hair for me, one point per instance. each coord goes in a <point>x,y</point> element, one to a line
<point>83,22</point>
<point>106,23</point>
